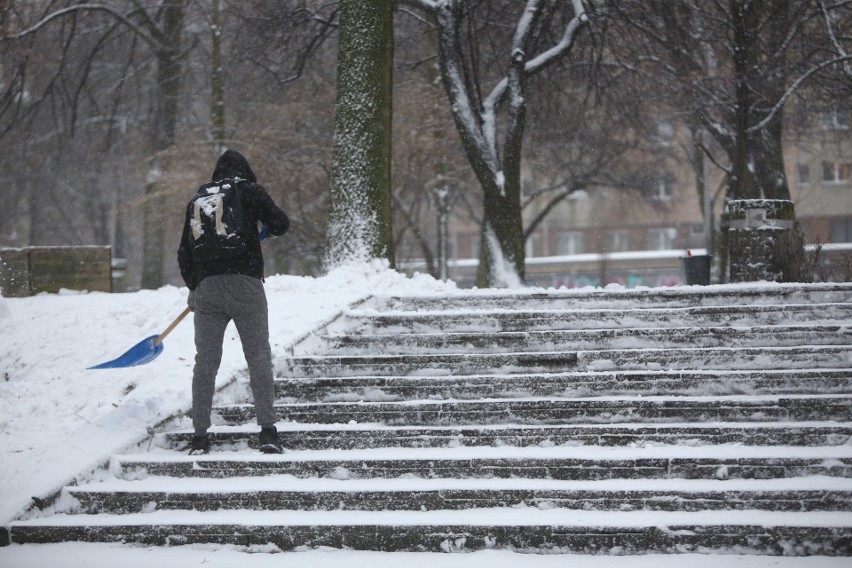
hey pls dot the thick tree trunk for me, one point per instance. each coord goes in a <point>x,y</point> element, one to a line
<point>757,158</point>
<point>501,257</point>
<point>506,258</point>
<point>769,161</point>
<point>167,91</point>
<point>742,183</point>
<point>360,218</point>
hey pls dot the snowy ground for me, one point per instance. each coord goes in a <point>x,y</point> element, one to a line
<point>58,419</point>
<point>78,555</point>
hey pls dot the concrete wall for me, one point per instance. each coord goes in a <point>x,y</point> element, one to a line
<point>31,270</point>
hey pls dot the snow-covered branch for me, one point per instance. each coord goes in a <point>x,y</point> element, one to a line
<point>476,118</point>
<point>829,27</point>
<point>429,5</point>
<point>522,31</point>
<point>793,88</point>
<point>571,30</point>
<point>543,59</point>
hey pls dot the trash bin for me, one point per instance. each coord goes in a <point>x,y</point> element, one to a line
<point>696,269</point>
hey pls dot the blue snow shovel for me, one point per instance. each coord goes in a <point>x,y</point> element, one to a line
<point>145,351</point>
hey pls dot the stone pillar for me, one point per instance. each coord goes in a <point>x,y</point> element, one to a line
<point>763,241</point>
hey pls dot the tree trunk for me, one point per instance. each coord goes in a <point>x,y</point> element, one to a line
<point>758,158</point>
<point>501,251</point>
<point>167,91</point>
<point>169,70</point>
<point>360,217</point>
<point>501,256</point>
<point>769,161</point>
<point>743,184</point>
<point>153,244</point>
<point>505,256</point>
<point>767,149</point>
<point>217,78</point>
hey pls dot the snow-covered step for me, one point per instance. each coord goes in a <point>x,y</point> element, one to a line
<point>603,410</point>
<point>564,340</point>
<point>382,323</point>
<point>569,384</point>
<point>528,529</point>
<point>447,364</point>
<point>620,298</point>
<point>704,419</point>
<point>114,496</point>
<point>733,358</point>
<point>720,358</point>
<point>313,436</point>
<point>560,462</point>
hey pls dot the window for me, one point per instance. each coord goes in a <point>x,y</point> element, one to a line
<point>665,190</point>
<point>569,242</point>
<point>696,230</point>
<point>661,239</point>
<point>803,174</point>
<point>841,231</point>
<point>474,246</point>
<point>465,245</point>
<point>660,186</point>
<point>533,245</point>
<point>663,133</point>
<point>835,172</point>
<point>619,241</point>
<point>834,119</point>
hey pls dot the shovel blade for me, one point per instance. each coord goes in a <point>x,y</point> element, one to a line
<point>143,352</point>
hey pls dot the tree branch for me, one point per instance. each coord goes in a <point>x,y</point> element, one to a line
<point>141,32</point>
<point>545,58</point>
<point>428,5</point>
<point>833,37</point>
<point>793,88</point>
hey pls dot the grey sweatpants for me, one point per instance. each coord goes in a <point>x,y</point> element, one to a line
<point>218,300</point>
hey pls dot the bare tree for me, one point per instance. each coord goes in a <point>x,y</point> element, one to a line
<point>590,129</point>
<point>84,36</point>
<point>62,118</point>
<point>729,69</point>
<point>541,33</point>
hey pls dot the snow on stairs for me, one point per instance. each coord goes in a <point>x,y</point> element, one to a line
<point>692,419</point>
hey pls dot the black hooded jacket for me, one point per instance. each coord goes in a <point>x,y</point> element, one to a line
<point>257,206</point>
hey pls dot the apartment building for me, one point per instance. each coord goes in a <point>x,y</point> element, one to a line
<point>636,236</point>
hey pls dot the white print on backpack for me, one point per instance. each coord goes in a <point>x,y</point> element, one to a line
<point>212,207</point>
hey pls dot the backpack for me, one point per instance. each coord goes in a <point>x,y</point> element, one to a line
<point>217,223</point>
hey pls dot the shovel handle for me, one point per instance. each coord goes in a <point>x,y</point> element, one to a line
<point>169,329</point>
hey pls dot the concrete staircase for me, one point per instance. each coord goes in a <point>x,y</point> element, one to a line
<point>610,421</point>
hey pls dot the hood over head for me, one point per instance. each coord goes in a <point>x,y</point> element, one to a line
<point>232,164</point>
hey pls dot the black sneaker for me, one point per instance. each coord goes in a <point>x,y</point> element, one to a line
<point>200,445</point>
<point>269,443</point>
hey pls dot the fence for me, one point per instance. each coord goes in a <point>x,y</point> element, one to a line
<point>830,263</point>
